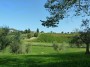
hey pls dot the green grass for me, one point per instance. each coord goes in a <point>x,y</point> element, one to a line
<point>45,56</point>
<point>39,43</point>
<point>71,57</point>
<point>77,59</point>
<point>37,50</point>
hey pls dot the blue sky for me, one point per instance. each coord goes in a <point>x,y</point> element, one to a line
<point>24,14</point>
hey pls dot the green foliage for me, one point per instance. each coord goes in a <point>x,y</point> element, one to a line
<point>60,38</point>
<point>27,31</point>
<point>29,35</point>
<point>62,46</point>
<point>37,30</point>
<point>28,48</point>
<point>16,43</point>
<point>85,34</point>
<point>4,37</point>
<point>42,31</point>
<point>76,41</point>
<point>36,34</point>
<point>58,47</point>
<point>60,9</point>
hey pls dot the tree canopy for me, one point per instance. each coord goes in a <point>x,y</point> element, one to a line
<point>59,10</point>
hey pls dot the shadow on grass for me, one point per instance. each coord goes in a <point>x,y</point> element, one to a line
<point>52,60</point>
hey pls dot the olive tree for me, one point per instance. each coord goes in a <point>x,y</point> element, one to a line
<point>85,34</point>
<point>4,37</point>
<point>16,43</point>
<point>60,9</point>
<point>76,41</point>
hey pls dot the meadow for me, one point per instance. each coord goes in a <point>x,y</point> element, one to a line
<point>45,50</point>
<point>45,56</point>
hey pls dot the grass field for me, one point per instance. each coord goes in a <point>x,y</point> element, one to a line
<point>42,56</point>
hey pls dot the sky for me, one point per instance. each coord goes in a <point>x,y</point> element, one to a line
<point>24,14</point>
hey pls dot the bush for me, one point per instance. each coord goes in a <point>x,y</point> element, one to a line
<point>15,48</point>
<point>62,47</point>
<point>57,47</point>
<point>16,43</point>
<point>36,34</point>
<point>29,35</point>
<point>28,48</point>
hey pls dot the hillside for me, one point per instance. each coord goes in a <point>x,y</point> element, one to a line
<point>51,37</point>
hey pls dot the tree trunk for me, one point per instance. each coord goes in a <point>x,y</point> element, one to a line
<point>87,49</point>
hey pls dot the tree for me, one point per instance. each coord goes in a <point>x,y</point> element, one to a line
<point>42,31</point>
<point>4,37</point>
<point>29,35</point>
<point>28,31</point>
<point>59,9</point>
<point>85,34</point>
<point>16,43</point>
<point>37,30</point>
<point>36,34</point>
<point>62,32</point>
<point>76,40</point>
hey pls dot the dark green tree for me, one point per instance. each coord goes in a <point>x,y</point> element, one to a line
<point>35,34</point>
<point>28,31</point>
<point>76,40</point>
<point>25,31</point>
<point>4,37</point>
<point>62,32</point>
<point>85,34</point>
<point>37,30</point>
<point>60,9</point>
<point>42,31</point>
<point>29,35</point>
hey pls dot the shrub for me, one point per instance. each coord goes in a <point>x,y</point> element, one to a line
<point>62,47</point>
<point>57,47</point>
<point>29,35</point>
<point>15,48</point>
<point>28,48</point>
<point>16,43</point>
<point>36,34</point>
